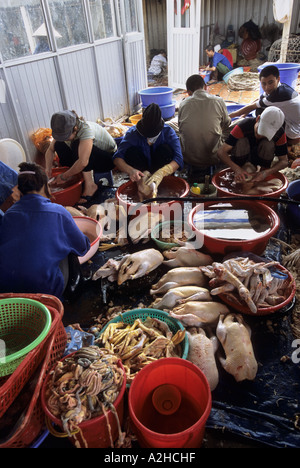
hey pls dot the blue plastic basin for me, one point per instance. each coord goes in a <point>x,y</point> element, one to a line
<point>159,95</point>
<point>288,73</point>
<point>235,107</point>
<point>168,111</point>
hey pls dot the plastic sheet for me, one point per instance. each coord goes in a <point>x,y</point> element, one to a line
<point>265,411</point>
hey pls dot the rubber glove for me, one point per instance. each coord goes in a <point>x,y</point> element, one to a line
<point>158,176</point>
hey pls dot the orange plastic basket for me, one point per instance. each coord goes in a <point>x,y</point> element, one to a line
<point>47,354</point>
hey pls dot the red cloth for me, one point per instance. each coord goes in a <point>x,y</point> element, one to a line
<point>250,48</point>
<point>228,55</point>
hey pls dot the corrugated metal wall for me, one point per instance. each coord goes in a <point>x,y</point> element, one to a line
<point>90,78</point>
<point>155,25</point>
<point>214,12</point>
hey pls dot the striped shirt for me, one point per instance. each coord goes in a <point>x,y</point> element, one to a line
<point>288,100</point>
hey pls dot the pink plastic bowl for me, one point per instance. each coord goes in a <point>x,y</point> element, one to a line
<point>93,230</point>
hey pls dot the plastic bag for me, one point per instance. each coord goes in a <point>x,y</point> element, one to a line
<point>42,138</point>
<point>77,339</point>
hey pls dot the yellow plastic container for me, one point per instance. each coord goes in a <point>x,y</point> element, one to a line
<point>135,118</point>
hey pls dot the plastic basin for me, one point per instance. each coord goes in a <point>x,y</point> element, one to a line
<point>174,325</point>
<point>161,95</point>
<point>289,293</point>
<point>169,185</point>
<point>135,118</point>
<point>163,230</point>
<point>205,75</point>
<point>168,111</point>
<point>235,71</point>
<point>93,230</point>
<point>222,246</point>
<point>70,193</point>
<point>225,192</point>
<point>24,324</point>
<point>288,73</point>
<point>185,427</point>
<point>293,211</point>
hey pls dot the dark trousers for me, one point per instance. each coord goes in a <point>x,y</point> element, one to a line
<point>100,161</point>
<point>162,155</point>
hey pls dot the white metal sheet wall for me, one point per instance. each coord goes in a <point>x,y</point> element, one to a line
<point>221,12</point>
<point>155,24</point>
<point>79,83</point>
<point>36,95</point>
<point>94,79</point>
<point>112,79</point>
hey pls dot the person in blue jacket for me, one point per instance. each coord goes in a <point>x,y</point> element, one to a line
<point>152,146</point>
<point>219,65</point>
<point>36,237</point>
<point>8,188</point>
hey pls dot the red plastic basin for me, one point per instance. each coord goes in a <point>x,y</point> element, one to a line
<point>169,185</point>
<point>225,192</point>
<point>214,245</point>
<point>289,293</point>
<point>69,194</point>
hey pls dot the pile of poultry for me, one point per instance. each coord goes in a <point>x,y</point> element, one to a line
<point>191,292</point>
<point>184,293</point>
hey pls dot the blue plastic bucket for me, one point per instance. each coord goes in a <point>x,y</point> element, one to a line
<point>205,75</point>
<point>168,111</point>
<point>159,95</point>
<point>288,73</point>
<point>293,211</point>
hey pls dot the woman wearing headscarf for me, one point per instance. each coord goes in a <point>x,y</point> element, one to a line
<point>151,146</point>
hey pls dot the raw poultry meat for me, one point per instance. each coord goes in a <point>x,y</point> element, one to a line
<point>180,295</point>
<point>207,312</point>
<point>186,255</point>
<point>181,276</point>
<point>243,279</point>
<point>235,337</point>
<point>202,353</point>
<point>138,264</point>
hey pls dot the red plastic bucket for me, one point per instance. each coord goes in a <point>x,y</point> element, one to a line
<point>185,427</point>
<point>69,195</point>
<point>94,432</point>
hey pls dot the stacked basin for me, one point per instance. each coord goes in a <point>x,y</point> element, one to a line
<point>161,95</point>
